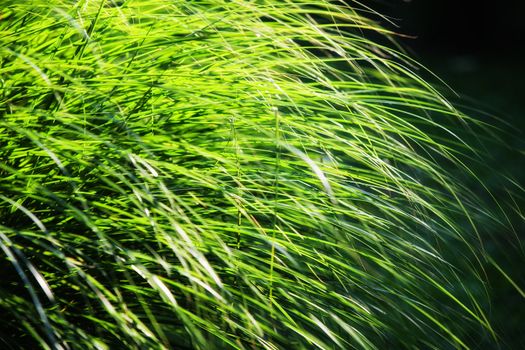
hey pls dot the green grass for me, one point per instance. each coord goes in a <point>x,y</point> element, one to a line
<point>232,174</point>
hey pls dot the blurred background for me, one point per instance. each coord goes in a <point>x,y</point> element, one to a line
<point>477,47</point>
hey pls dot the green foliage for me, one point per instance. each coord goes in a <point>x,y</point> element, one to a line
<point>229,174</point>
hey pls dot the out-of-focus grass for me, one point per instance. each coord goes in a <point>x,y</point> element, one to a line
<point>232,174</point>
<point>492,83</point>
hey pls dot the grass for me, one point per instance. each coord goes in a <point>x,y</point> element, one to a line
<point>232,174</point>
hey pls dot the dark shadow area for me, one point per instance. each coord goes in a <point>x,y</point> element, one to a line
<point>476,48</point>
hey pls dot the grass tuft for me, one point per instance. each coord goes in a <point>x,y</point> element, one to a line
<point>230,174</point>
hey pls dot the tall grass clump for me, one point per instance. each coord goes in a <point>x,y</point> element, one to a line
<point>216,174</point>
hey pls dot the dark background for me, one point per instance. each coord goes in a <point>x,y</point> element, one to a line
<point>477,48</point>
<point>460,26</point>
